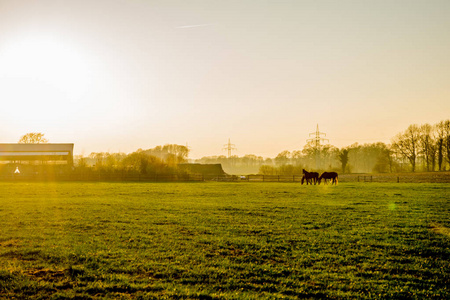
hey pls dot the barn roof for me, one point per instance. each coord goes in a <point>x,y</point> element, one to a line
<point>204,169</point>
<point>36,151</point>
<point>35,147</point>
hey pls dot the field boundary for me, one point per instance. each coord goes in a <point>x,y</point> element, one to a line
<point>425,177</point>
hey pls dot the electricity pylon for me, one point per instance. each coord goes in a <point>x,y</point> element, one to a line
<point>316,140</point>
<point>229,147</point>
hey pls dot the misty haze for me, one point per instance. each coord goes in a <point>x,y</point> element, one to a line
<point>224,149</point>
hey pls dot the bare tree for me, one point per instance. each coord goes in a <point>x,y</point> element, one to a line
<point>447,139</point>
<point>33,138</point>
<point>440,139</point>
<point>406,144</point>
<point>343,158</point>
<point>173,154</point>
<point>427,146</point>
<point>99,158</point>
<point>283,158</point>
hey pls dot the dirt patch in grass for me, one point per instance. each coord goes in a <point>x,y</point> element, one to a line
<point>10,243</point>
<point>46,274</point>
<point>440,229</point>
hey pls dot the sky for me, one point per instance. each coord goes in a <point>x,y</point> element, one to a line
<point>121,75</point>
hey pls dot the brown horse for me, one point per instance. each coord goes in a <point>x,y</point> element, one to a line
<point>329,175</point>
<point>310,177</point>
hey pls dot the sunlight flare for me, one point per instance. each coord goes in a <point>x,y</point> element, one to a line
<point>40,74</point>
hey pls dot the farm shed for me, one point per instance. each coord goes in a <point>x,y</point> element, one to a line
<point>35,154</point>
<point>209,171</point>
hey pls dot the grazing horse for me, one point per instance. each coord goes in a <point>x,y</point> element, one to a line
<point>310,177</point>
<point>329,175</point>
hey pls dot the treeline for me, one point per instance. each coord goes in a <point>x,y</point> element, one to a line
<point>419,148</point>
<point>159,160</point>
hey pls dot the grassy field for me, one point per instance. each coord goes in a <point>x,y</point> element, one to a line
<point>224,241</point>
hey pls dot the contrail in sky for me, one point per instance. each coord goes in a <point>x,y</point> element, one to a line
<point>196,25</point>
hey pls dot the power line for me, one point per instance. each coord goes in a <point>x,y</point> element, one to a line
<point>316,140</point>
<point>229,147</point>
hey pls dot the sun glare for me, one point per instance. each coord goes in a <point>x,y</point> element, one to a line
<point>40,75</point>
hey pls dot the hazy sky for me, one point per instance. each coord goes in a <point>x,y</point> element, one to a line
<point>122,75</point>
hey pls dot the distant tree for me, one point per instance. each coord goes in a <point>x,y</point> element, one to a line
<point>283,158</point>
<point>33,138</point>
<point>137,161</point>
<point>328,157</point>
<point>343,158</point>
<point>440,139</point>
<point>81,162</point>
<point>179,152</point>
<point>171,153</point>
<point>143,163</point>
<point>99,158</point>
<point>427,146</point>
<point>297,157</point>
<point>447,139</point>
<point>268,161</point>
<point>113,161</point>
<point>288,170</point>
<point>267,170</point>
<point>385,161</point>
<point>406,144</point>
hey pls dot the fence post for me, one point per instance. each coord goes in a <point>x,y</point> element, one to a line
<point>398,179</point>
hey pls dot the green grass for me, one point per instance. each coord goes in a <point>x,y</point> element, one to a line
<point>224,241</point>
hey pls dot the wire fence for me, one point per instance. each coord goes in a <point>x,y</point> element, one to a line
<point>428,177</point>
<point>425,177</point>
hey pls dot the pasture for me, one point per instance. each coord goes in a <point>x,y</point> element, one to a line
<point>85,240</point>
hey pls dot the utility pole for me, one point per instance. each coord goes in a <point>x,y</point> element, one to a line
<point>229,147</point>
<point>316,140</point>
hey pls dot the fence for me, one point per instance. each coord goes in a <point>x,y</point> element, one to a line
<point>271,178</point>
<point>426,177</point>
<point>429,177</point>
<point>423,177</point>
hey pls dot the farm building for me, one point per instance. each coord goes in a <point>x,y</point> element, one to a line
<point>35,158</point>
<point>209,171</point>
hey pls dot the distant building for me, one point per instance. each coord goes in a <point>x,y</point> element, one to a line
<point>209,171</point>
<point>33,157</point>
